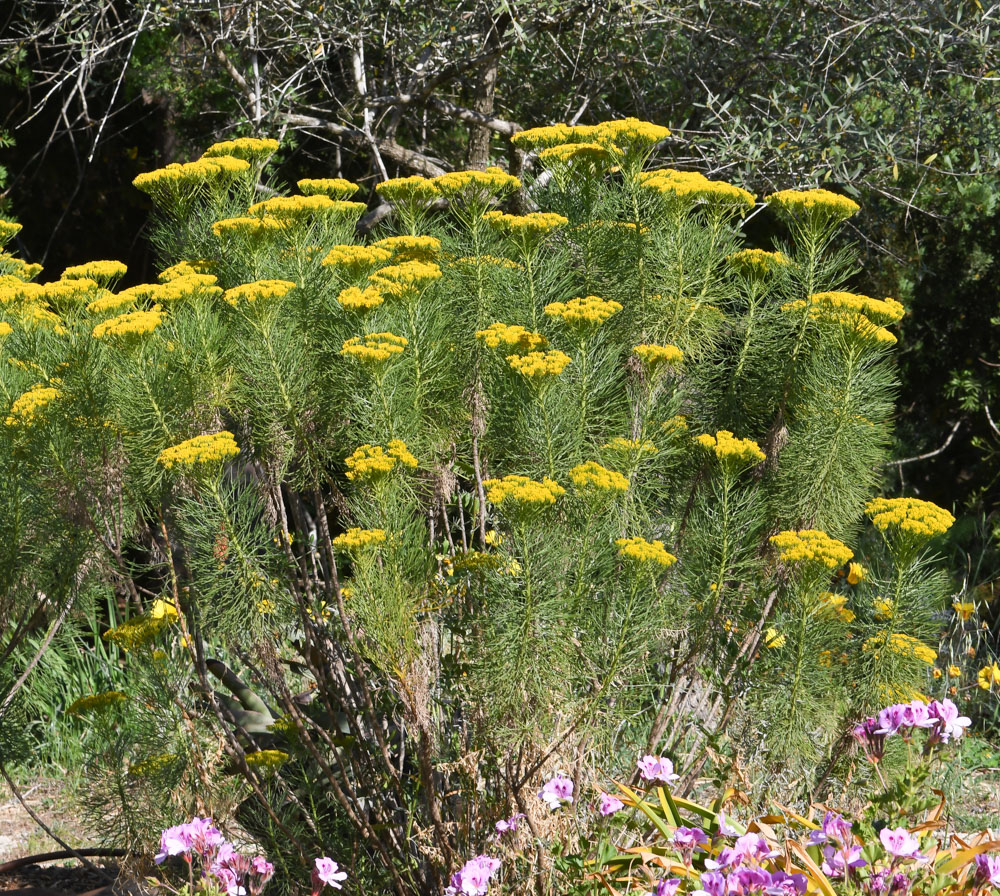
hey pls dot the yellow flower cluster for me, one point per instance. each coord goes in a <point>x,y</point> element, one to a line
<point>538,366</point>
<point>334,187</point>
<point>594,156</point>
<point>814,202</point>
<point>8,230</point>
<point>356,258</point>
<point>264,761</point>
<point>210,449</point>
<point>512,335</point>
<point>405,278</point>
<point>583,314</point>
<point>883,311</point>
<point>533,225</point>
<point>178,178</point>
<point>356,539</point>
<point>855,573</point>
<point>305,208</point>
<point>104,272</point>
<point>523,491</point>
<point>136,632</point>
<point>415,248</point>
<point>548,135</point>
<point>408,189</point>
<point>182,289</point>
<point>654,356</point>
<point>461,184</point>
<point>638,550</point>
<point>630,448</point>
<point>18,268</point>
<point>258,290</point>
<point>728,448</point>
<point>693,185</point>
<point>923,519</point>
<point>250,149</point>
<point>900,644</point>
<point>631,133</point>
<point>95,702</point>
<point>476,260</point>
<point>28,408</point>
<point>757,262</point>
<point>187,269</point>
<point>811,546</point>
<point>374,348</point>
<point>773,639</point>
<point>32,315</point>
<point>72,293</point>
<point>5,329</point>
<point>151,767</point>
<point>355,299</point>
<point>128,326</point>
<point>591,476</point>
<point>249,228</point>
<point>375,462</point>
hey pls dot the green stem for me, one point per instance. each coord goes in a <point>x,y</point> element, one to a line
<point>548,435</point>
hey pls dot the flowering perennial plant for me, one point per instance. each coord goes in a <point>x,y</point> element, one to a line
<point>616,402</point>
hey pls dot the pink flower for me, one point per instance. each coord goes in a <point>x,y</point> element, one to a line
<point>508,825</point>
<point>900,843</point>
<point>474,877</point>
<point>261,872</point>
<point>556,791</point>
<point>326,871</point>
<point>950,724</point>
<point>666,887</point>
<point>988,869</point>
<point>228,879</point>
<point>657,768</point>
<point>175,841</point>
<point>610,804</point>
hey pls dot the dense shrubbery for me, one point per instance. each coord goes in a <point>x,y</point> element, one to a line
<point>401,528</point>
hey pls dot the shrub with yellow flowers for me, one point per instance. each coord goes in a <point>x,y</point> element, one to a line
<point>398,523</point>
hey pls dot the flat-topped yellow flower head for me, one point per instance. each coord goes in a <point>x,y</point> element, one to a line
<point>205,451</point>
<point>256,150</point>
<point>95,703</point>
<point>306,209</point>
<point>29,408</point>
<point>687,187</point>
<point>355,260</point>
<point>128,328</point>
<point>522,493</point>
<point>757,263</point>
<point>201,267</point>
<point>513,336</point>
<point>811,547</point>
<point>592,478</point>
<point>362,300</point>
<point>537,367</point>
<point>406,279</point>
<point>527,230</point>
<point>258,291</point>
<point>72,293</point>
<point>912,517</point>
<point>334,187</point>
<point>373,462</point>
<point>646,553</point>
<point>406,190</point>
<point>105,273</point>
<point>818,206</point>
<point>731,450</point>
<point>881,311</point>
<point>249,228</point>
<point>902,645</point>
<point>411,248</point>
<point>583,315</point>
<point>628,452</point>
<point>355,540</point>
<point>8,230</point>
<point>374,349</point>
<point>655,357</point>
<point>493,183</point>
